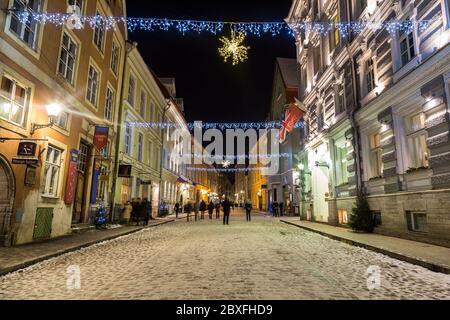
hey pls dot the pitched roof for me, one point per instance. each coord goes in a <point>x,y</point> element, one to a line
<point>288,69</point>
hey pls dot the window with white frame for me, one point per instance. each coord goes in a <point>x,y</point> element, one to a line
<point>370,75</point>
<point>140,146</point>
<point>341,164</point>
<point>25,31</point>
<point>417,141</point>
<point>143,104</point>
<point>92,85</point>
<point>68,58</point>
<point>109,104</point>
<point>128,133</point>
<point>115,53</point>
<point>131,89</point>
<point>78,3</point>
<point>407,50</point>
<point>303,79</point>
<point>416,221</point>
<point>99,33</point>
<point>52,171</point>
<point>62,120</point>
<point>14,101</point>
<point>376,154</point>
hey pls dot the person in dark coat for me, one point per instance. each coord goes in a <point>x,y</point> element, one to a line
<point>281,208</point>
<point>146,210</point>
<point>275,209</point>
<point>139,210</point>
<point>248,210</point>
<point>177,209</point>
<point>226,205</point>
<point>188,210</point>
<point>218,210</point>
<point>210,210</point>
<point>202,209</point>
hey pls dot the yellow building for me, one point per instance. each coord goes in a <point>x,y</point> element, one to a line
<point>51,74</point>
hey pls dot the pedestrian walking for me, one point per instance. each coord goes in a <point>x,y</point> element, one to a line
<point>196,209</point>
<point>146,210</point>
<point>210,210</point>
<point>226,205</point>
<point>248,210</point>
<point>281,209</point>
<point>126,213</point>
<point>275,209</point>
<point>177,209</point>
<point>188,211</point>
<point>217,210</point>
<point>203,209</point>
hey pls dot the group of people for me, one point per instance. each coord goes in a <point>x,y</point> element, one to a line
<point>277,209</point>
<point>137,210</point>
<point>199,209</point>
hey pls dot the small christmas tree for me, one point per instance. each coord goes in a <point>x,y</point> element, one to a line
<point>361,218</point>
<point>100,218</point>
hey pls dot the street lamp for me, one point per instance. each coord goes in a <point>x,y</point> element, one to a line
<point>53,111</point>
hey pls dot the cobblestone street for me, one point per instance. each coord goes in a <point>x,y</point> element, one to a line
<point>264,259</point>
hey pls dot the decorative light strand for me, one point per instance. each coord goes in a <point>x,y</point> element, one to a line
<point>215,27</point>
<point>212,125</point>
<point>237,157</point>
<point>229,170</point>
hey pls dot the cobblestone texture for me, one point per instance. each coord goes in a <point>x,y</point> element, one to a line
<point>264,259</point>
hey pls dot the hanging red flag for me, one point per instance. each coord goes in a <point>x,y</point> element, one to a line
<point>293,114</point>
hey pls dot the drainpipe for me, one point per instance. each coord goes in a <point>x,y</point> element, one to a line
<point>130,46</point>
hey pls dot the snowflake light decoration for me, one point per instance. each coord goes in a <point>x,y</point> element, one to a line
<point>233,48</point>
<point>226,163</point>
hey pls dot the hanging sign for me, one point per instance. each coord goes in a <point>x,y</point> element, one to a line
<point>71,177</point>
<point>27,149</point>
<point>101,138</point>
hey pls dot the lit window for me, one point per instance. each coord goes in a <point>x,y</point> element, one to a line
<point>407,51</point>
<point>27,32</point>
<point>14,99</point>
<point>317,59</point>
<point>92,86</point>
<point>68,58</point>
<point>417,142</point>
<point>99,33</point>
<point>341,165</point>
<point>109,104</point>
<point>340,99</point>
<point>51,171</point>
<point>376,152</point>
<point>334,34</point>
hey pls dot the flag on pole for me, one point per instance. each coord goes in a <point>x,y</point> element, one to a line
<point>293,114</point>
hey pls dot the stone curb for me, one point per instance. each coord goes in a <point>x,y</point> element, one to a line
<point>426,264</point>
<point>34,261</point>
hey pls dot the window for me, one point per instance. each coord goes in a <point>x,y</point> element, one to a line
<point>376,152</point>
<point>51,172</point>
<point>109,104</point>
<point>131,89</point>
<point>92,86</point>
<point>101,187</point>
<point>14,99</point>
<point>303,79</point>
<point>417,141</point>
<point>317,59</point>
<point>376,215</point>
<point>343,216</point>
<point>363,5</point>
<point>320,119</point>
<point>157,159</point>
<point>62,119</point>
<point>340,99</point>
<point>150,151</point>
<point>84,153</point>
<point>78,3</point>
<point>27,32</point>
<point>68,58</point>
<point>99,33</point>
<point>416,221</point>
<point>407,51</point>
<point>370,75</point>
<point>341,165</point>
<point>334,34</point>
<point>143,104</point>
<point>140,146</point>
<point>115,53</point>
<point>128,133</point>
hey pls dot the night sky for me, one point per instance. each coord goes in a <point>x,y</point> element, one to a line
<point>213,90</point>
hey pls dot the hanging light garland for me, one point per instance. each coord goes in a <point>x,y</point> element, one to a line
<point>215,27</point>
<point>229,170</point>
<point>212,125</point>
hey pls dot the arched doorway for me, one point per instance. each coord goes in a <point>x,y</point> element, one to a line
<point>7,185</point>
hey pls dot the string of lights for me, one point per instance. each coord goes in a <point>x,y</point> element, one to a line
<point>237,157</point>
<point>214,27</point>
<point>228,170</point>
<point>212,125</point>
